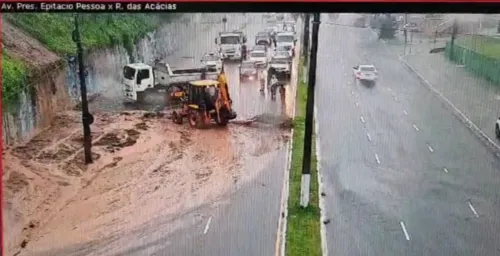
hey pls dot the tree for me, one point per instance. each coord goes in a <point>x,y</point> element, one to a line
<point>387,28</point>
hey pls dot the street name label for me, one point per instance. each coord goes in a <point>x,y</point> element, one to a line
<point>87,7</point>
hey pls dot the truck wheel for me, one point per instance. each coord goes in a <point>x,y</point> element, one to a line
<point>141,96</point>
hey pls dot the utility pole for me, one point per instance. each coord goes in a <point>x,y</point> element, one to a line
<point>306,164</point>
<point>87,118</point>
<point>454,31</point>
<point>411,39</point>
<point>305,46</point>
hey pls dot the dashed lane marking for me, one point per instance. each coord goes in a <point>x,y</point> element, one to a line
<point>207,226</point>
<point>378,159</point>
<point>430,149</point>
<point>357,104</point>
<point>369,137</point>
<point>362,119</point>
<point>404,231</point>
<point>406,113</point>
<point>473,210</point>
<point>415,127</point>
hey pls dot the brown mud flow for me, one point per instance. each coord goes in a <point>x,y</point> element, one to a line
<point>144,167</point>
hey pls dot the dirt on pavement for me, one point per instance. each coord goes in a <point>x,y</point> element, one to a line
<point>144,166</point>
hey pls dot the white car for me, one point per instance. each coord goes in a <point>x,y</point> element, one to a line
<point>259,57</point>
<point>212,60</point>
<point>365,73</point>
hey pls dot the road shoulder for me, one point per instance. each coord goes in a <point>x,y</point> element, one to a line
<point>461,92</point>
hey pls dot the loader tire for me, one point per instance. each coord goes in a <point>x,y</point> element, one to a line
<point>176,117</point>
<point>196,119</point>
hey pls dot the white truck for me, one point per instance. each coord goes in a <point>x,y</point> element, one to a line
<point>140,78</point>
<point>286,40</point>
<point>281,66</point>
<point>230,44</point>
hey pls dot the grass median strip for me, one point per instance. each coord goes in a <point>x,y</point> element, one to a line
<point>303,225</point>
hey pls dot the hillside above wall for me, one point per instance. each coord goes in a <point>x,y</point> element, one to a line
<point>33,43</point>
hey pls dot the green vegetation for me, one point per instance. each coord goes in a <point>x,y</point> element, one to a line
<point>97,30</point>
<point>13,79</point>
<point>303,227</point>
<point>484,45</point>
<point>55,32</point>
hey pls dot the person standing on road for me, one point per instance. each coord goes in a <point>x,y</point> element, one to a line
<point>262,78</point>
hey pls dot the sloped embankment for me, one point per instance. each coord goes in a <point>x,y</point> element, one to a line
<point>34,61</point>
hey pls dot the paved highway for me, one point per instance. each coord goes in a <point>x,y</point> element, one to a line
<point>245,221</point>
<point>402,175</point>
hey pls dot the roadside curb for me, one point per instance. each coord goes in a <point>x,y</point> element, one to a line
<point>461,116</point>
<point>324,245</point>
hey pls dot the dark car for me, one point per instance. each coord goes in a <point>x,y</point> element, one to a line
<point>263,38</point>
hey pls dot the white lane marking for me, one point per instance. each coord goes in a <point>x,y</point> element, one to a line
<point>362,119</point>
<point>352,92</point>
<point>369,137</point>
<point>430,149</point>
<point>404,230</point>
<point>445,170</point>
<point>415,127</point>
<point>348,82</point>
<point>357,104</point>
<point>406,113</point>
<point>457,111</point>
<point>396,98</point>
<point>207,226</point>
<point>345,74</point>
<point>378,159</point>
<point>473,210</point>
<point>389,89</point>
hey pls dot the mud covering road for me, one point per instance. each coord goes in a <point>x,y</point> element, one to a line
<point>155,188</point>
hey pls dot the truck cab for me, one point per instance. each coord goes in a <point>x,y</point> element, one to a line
<point>230,44</point>
<point>286,40</point>
<point>138,78</point>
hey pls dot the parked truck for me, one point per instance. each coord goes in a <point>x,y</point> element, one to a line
<point>230,44</point>
<point>140,78</point>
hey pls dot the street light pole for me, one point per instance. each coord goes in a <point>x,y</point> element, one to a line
<point>305,46</point>
<point>87,118</point>
<point>306,164</point>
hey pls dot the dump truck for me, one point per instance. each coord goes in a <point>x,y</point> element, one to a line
<point>140,78</point>
<point>230,44</point>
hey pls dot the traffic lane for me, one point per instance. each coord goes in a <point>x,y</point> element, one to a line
<point>419,178</point>
<point>248,101</point>
<point>444,143</point>
<point>361,200</point>
<point>474,96</point>
<point>234,225</point>
<point>243,225</point>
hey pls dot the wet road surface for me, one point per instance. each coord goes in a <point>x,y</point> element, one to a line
<point>165,189</point>
<point>402,175</point>
<point>244,222</point>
